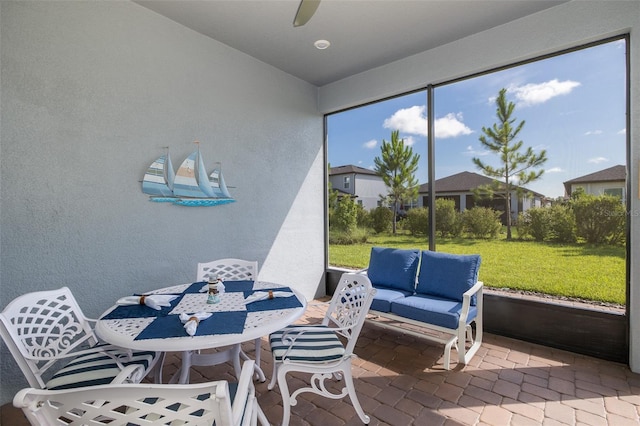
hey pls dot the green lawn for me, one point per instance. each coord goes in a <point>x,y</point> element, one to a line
<point>574,270</point>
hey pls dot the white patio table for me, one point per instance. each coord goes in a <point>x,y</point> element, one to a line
<point>232,322</point>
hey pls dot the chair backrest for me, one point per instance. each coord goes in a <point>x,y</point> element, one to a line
<point>394,268</point>
<point>42,326</point>
<point>349,307</point>
<point>149,404</point>
<point>230,269</point>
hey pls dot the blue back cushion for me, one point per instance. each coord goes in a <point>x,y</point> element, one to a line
<point>393,268</point>
<point>447,275</point>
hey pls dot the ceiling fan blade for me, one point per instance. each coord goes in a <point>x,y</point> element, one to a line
<point>305,11</point>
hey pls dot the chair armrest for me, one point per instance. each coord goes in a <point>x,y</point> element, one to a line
<point>473,290</point>
<point>133,373</point>
<point>466,301</point>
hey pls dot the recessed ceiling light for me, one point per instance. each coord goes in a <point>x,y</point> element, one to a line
<point>322,44</point>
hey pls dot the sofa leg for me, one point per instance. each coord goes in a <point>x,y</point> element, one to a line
<point>447,352</point>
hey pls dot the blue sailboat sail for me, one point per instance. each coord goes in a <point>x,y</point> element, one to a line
<point>186,182</point>
<point>158,180</point>
<point>217,183</point>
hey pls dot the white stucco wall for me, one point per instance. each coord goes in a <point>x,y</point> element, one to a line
<point>91,92</point>
<point>369,188</point>
<point>565,26</point>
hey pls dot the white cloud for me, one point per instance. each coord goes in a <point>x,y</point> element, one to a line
<point>593,132</point>
<point>597,160</point>
<point>622,132</point>
<point>370,144</point>
<point>554,170</point>
<point>413,121</point>
<point>410,120</point>
<point>450,126</point>
<point>532,94</point>
<point>408,140</point>
<point>472,152</point>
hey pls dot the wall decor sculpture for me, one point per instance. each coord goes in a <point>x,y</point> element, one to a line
<point>189,186</point>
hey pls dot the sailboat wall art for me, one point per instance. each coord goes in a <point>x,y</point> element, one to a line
<point>189,186</point>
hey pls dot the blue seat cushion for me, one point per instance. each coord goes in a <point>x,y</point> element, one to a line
<point>97,368</point>
<point>432,310</point>
<point>447,275</point>
<point>393,268</point>
<point>385,296</point>
<point>320,345</point>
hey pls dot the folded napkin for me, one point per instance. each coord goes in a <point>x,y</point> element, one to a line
<point>219,286</point>
<point>191,321</point>
<point>155,301</point>
<point>265,295</point>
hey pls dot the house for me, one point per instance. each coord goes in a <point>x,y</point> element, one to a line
<point>362,184</point>
<point>611,181</point>
<point>93,92</point>
<point>459,188</point>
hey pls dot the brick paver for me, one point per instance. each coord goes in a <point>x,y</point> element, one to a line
<point>400,380</point>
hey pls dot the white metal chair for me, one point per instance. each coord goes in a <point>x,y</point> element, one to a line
<point>46,330</point>
<point>227,269</point>
<point>319,349</point>
<point>148,404</point>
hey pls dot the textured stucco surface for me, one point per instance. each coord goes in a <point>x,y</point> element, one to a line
<point>91,93</point>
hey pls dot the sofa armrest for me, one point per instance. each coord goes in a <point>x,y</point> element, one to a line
<point>466,302</point>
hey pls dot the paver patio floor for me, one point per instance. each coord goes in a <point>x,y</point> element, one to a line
<point>401,381</point>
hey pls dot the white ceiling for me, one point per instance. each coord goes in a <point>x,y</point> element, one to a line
<point>364,34</point>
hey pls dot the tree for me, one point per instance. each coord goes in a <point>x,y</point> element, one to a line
<point>515,169</point>
<point>397,168</point>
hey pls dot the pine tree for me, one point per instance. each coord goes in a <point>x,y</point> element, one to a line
<point>514,172</point>
<point>397,168</point>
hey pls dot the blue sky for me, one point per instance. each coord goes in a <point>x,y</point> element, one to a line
<point>573,106</point>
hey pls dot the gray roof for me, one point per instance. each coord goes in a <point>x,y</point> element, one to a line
<point>460,182</point>
<point>607,175</point>
<point>350,169</point>
<point>463,182</point>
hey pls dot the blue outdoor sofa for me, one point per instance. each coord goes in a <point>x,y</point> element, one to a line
<point>439,292</point>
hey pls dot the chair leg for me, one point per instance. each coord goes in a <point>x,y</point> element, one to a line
<point>259,372</point>
<point>157,369</point>
<point>348,381</point>
<point>286,398</point>
<point>274,373</point>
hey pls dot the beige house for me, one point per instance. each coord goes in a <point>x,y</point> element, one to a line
<point>611,181</point>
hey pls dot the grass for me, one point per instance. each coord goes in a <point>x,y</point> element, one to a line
<point>572,270</point>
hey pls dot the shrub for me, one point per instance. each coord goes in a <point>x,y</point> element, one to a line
<point>535,222</point>
<point>381,218</point>
<point>345,217</point>
<point>417,221</point>
<point>482,222</point>
<point>599,219</point>
<point>563,224</point>
<point>556,223</point>
<point>363,219</point>
<point>448,221</point>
